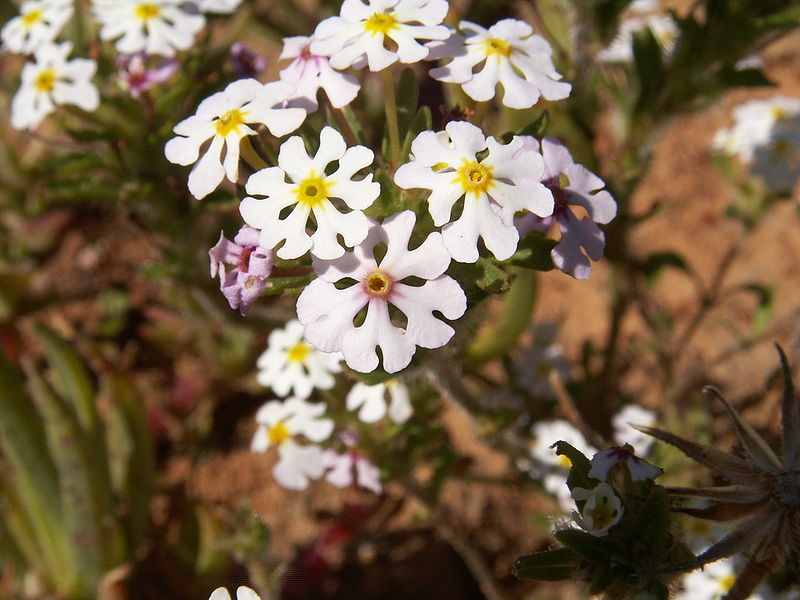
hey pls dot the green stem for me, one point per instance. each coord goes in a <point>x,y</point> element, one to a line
<point>392,124</point>
<point>341,121</point>
<point>250,156</point>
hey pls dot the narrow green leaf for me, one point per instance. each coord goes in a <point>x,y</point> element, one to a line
<point>594,549</point>
<point>533,252</point>
<point>407,100</point>
<point>551,565</point>
<point>650,69</point>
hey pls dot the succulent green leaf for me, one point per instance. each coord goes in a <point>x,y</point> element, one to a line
<point>551,565</point>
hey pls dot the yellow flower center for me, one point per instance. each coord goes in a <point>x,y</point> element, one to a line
<point>278,434</point>
<point>32,17</point>
<point>229,122</point>
<point>726,583</point>
<point>699,528</point>
<point>380,23</point>
<point>497,46</point>
<point>475,177</point>
<point>782,148</point>
<point>778,112</point>
<point>378,284</point>
<point>298,352</point>
<point>146,11</point>
<point>603,514</point>
<point>563,462</point>
<point>45,80</point>
<point>312,191</point>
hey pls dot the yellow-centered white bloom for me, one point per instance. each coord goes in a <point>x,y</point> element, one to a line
<point>39,23</point>
<point>601,509</point>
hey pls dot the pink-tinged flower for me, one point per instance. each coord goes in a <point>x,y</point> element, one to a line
<point>245,62</point>
<point>602,509</point>
<point>138,78</point>
<point>604,460</point>
<point>358,36</point>
<point>329,312</point>
<point>310,190</point>
<point>223,119</point>
<point>309,72</point>
<point>251,264</point>
<point>279,425</point>
<point>572,185</point>
<point>507,54</point>
<point>342,466</point>
<point>495,188</point>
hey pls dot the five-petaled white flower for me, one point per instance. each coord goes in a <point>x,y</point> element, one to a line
<point>152,26</point>
<point>52,80</point>
<point>223,118</point>
<point>371,400</point>
<point>242,593</point>
<point>602,509</point>
<point>494,189</point>
<point>572,185</point>
<point>279,422</point>
<point>39,23</point>
<point>310,192</point>
<point>753,125</point>
<point>358,36</point>
<point>329,312</point>
<point>511,55</point>
<point>290,365</point>
<point>309,72</point>
<point>604,460</point>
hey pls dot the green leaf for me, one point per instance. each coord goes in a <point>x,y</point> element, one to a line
<point>551,565</point>
<point>423,121</point>
<point>594,549</point>
<point>535,128</point>
<point>407,100</point>
<point>533,252</point>
<point>650,69</point>
<point>287,285</point>
<point>484,274</point>
<point>654,265</point>
<point>652,525</point>
<point>763,313</point>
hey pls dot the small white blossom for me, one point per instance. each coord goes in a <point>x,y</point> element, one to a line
<point>329,312</point>
<point>371,400</point>
<point>310,190</point>
<point>359,35</point>
<point>621,48</point>
<point>604,460</point>
<point>39,23</point>
<point>625,434</point>
<point>511,55</point>
<point>242,593</point>
<point>701,534</point>
<point>778,161</point>
<point>309,73</point>
<point>753,125</point>
<point>153,26</point>
<point>289,365</point>
<point>494,188</point>
<point>712,582</point>
<point>223,119</point>
<point>342,466</point>
<point>219,6</point>
<point>50,81</point>
<point>601,511</point>
<point>279,423</point>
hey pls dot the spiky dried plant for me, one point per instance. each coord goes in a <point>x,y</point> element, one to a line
<point>764,492</point>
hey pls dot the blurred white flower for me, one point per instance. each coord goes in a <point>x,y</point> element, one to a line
<point>625,434</point>
<point>223,119</point>
<point>701,534</point>
<point>537,362</point>
<point>494,188</point>
<point>152,26</point>
<point>290,365</point>
<point>359,35</point>
<point>601,511</point>
<point>38,24</point>
<point>311,190</point>
<point>753,125</point>
<point>712,582</point>
<point>621,49</point>
<point>219,6</point>
<point>50,81</point>
<point>341,466</point>
<point>508,54</point>
<point>778,161</point>
<point>371,400</point>
<point>242,593</point>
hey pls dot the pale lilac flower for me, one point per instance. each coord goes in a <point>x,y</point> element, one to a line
<point>223,119</point>
<point>601,511</point>
<point>279,425</point>
<point>310,190</point>
<point>662,27</point>
<point>625,434</point>
<point>251,264</point>
<point>358,36</point>
<point>342,466</point>
<point>508,54</point>
<point>152,26</point>
<point>138,78</point>
<point>494,188</point>
<point>329,312</point>
<point>50,81</point>
<point>242,593</point>
<point>309,73</point>
<point>290,365</point>
<point>218,6</point>
<point>604,460</point>
<point>572,185</point>
<point>753,125</point>
<point>544,357</point>
<point>38,24</point>
<point>371,400</point>
<point>246,63</point>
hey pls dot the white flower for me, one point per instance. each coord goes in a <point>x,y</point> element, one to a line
<point>712,582</point>
<point>310,190</point>
<point>494,189</point>
<point>778,161</point>
<point>511,55</point>
<point>601,511</point>
<point>358,35</point>
<point>219,6</point>
<point>242,593</point>
<point>152,26</point>
<point>309,72</point>
<point>39,23</point>
<point>371,399</point>
<point>701,534</point>
<point>51,81</point>
<point>625,434</point>
<point>643,6</point>
<point>341,470</point>
<point>753,125</point>
<point>329,312</point>
<point>621,48</point>
<point>536,363</point>
<point>639,469</point>
<point>279,422</point>
<point>223,118</point>
<point>290,365</point>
